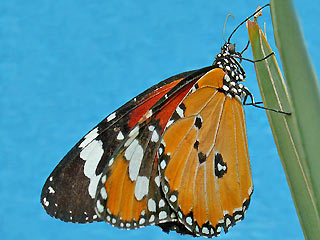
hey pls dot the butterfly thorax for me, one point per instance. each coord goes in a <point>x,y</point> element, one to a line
<point>227,61</point>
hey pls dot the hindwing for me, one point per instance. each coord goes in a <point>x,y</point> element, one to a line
<point>203,159</point>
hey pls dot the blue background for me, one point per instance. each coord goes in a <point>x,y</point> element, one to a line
<point>65,65</point>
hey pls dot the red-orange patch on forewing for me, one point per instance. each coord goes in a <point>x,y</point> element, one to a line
<point>226,145</point>
<point>151,99</point>
<point>171,105</point>
<point>214,78</point>
<point>242,152</point>
<point>179,156</point>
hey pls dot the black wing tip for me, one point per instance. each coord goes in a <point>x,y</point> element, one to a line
<point>66,216</point>
<point>56,209</point>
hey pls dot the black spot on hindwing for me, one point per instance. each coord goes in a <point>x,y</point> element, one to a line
<point>220,167</point>
<point>202,157</point>
<point>196,144</point>
<point>198,122</point>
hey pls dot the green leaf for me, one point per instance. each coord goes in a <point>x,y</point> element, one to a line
<point>301,164</point>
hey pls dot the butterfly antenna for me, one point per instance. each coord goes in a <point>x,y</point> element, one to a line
<point>224,26</point>
<point>246,20</point>
<point>245,49</point>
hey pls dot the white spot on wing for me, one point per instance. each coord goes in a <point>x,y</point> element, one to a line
<point>160,151</point>
<point>45,202</point>
<point>151,219</point>
<point>189,220</point>
<point>161,203</point>
<point>237,217</point>
<point>51,190</point>
<point>148,114</point>
<point>157,180</point>
<point>104,179</point>
<point>100,207</point>
<point>151,205</point>
<point>132,135</point>
<point>128,142</point>
<point>225,88</point>
<point>111,117</point>
<point>92,154</point>
<point>110,162</point>
<point>103,193</point>
<point>134,132</point>
<point>220,167</point>
<point>89,137</point>
<point>165,189</point>
<point>162,215</point>
<point>142,221</point>
<point>179,112</point>
<point>130,150</point>
<point>228,222</point>
<point>155,137</point>
<point>169,123</point>
<point>120,136</point>
<point>205,230</point>
<point>134,154</point>
<point>142,187</point>
<point>173,198</point>
<point>163,164</point>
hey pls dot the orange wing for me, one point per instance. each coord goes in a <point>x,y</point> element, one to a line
<point>203,159</point>
<point>129,193</point>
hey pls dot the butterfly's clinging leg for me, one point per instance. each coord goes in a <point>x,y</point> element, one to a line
<point>255,104</point>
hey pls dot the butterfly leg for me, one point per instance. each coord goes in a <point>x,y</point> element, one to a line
<point>255,104</point>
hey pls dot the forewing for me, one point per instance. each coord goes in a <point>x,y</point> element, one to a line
<point>70,190</point>
<point>129,194</point>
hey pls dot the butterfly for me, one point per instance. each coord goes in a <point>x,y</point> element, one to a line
<point>175,156</point>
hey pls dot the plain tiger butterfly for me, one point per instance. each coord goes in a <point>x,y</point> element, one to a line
<point>175,156</point>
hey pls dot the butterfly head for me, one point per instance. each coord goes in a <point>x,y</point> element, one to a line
<point>227,61</point>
